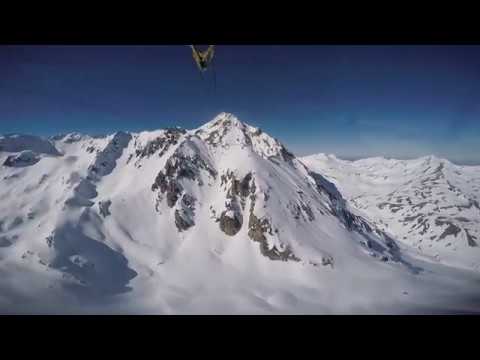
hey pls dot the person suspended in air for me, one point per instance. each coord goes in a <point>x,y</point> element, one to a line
<point>203,58</point>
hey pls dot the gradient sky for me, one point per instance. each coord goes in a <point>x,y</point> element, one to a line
<point>353,101</point>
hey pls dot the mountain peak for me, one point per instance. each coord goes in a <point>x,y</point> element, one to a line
<point>226,130</point>
<point>432,159</point>
<point>224,121</point>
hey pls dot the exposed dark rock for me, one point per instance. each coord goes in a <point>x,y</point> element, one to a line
<point>161,144</point>
<point>452,229</point>
<point>425,226</point>
<point>181,222</point>
<point>339,207</point>
<point>323,186</point>
<point>240,190</point>
<point>104,207</point>
<point>420,205</point>
<point>412,218</point>
<point>174,191</point>
<point>231,220</point>
<point>301,211</point>
<point>327,260</point>
<point>476,204</point>
<point>189,167</point>
<point>471,239</point>
<point>220,128</point>
<point>243,189</point>
<point>50,240</point>
<point>422,222</point>
<point>257,132</point>
<point>184,217</point>
<point>106,160</point>
<point>188,201</point>
<point>393,207</point>
<point>286,155</point>
<point>180,166</point>
<point>257,230</point>
<point>160,183</point>
<point>308,210</point>
<point>230,225</point>
<point>25,158</point>
<point>5,242</point>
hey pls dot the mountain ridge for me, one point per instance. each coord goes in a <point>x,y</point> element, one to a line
<point>176,221</point>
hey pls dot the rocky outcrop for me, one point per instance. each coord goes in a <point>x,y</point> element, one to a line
<point>471,239</point>
<point>168,186</point>
<point>161,144</point>
<point>257,230</point>
<point>301,211</point>
<point>25,158</point>
<point>106,160</point>
<point>104,207</point>
<point>186,163</point>
<point>286,155</point>
<point>237,192</point>
<point>230,222</point>
<point>451,229</point>
<point>178,167</point>
<point>185,215</point>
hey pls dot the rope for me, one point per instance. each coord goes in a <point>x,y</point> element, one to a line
<point>214,77</point>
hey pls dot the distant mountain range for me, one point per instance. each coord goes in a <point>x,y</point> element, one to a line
<point>428,203</point>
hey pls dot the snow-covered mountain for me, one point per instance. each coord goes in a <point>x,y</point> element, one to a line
<point>428,203</point>
<point>219,219</point>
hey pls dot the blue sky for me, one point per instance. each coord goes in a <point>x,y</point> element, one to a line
<point>354,101</point>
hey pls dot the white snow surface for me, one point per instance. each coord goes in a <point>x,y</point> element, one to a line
<point>216,220</point>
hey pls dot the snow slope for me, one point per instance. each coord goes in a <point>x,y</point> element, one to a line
<point>219,219</point>
<point>427,203</point>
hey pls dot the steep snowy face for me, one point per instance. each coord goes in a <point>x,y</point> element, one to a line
<point>253,187</point>
<point>428,203</point>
